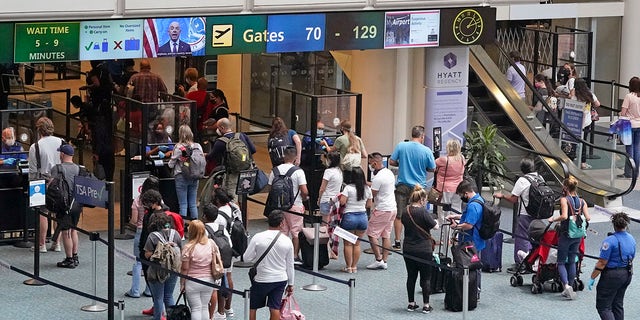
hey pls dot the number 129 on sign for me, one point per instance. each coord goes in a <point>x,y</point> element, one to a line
<point>301,32</point>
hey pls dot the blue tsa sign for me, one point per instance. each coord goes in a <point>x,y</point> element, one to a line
<point>296,33</point>
<point>91,191</point>
<point>572,115</point>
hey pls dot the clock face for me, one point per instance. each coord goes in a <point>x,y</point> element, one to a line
<point>467,26</point>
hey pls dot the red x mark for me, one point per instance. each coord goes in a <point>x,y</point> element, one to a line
<point>118,45</point>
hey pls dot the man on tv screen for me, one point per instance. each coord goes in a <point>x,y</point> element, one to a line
<point>174,46</point>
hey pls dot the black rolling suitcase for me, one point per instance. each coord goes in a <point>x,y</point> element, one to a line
<point>491,256</point>
<point>439,275</point>
<point>306,248</point>
<point>453,295</point>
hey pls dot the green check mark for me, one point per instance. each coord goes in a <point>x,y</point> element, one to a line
<point>87,48</point>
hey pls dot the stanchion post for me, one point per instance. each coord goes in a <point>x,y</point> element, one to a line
<point>316,257</point>
<point>352,297</point>
<point>110,250</point>
<point>36,253</point>
<point>247,305</point>
<point>121,308</point>
<point>123,235</point>
<point>465,292</point>
<point>94,306</point>
<point>245,222</point>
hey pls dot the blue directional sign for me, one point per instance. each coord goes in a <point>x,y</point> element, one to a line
<point>91,191</point>
<point>296,33</point>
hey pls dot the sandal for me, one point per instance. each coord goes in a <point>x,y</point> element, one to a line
<point>354,270</point>
<point>346,270</point>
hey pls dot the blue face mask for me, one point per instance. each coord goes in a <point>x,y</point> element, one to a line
<point>320,132</point>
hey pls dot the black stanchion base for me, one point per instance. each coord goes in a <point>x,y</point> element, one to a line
<point>34,282</point>
<point>123,236</point>
<point>23,244</point>
<point>243,264</point>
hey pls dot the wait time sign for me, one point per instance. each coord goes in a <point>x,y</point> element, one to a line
<point>47,42</point>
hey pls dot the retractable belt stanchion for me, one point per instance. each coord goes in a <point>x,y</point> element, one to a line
<point>247,305</point>
<point>121,308</point>
<point>352,297</point>
<point>465,292</point>
<point>245,220</point>
<point>36,253</point>
<point>316,256</point>
<point>94,306</point>
<point>111,248</point>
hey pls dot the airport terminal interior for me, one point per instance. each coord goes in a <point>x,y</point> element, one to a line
<point>385,66</point>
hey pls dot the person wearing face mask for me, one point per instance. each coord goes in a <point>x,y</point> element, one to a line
<point>471,219</point>
<point>11,151</point>
<point>384,212</point>
<point>159,136</point>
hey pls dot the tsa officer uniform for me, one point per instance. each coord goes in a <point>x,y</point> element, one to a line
<point>618,250</point>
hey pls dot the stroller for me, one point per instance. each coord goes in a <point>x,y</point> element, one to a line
<point>542,262</point>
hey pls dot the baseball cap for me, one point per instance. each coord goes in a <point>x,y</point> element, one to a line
<point>66,149</point>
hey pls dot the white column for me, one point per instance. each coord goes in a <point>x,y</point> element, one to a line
<point>630,42</point>
<point>402,96</point>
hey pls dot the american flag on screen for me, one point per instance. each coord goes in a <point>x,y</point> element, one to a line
<point>150,39</point>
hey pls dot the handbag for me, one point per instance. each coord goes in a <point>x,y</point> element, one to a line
<point>309,234</point>
<point>179,311</point>
<point>217,266</point>
<point>290,310</point>
<point>465,254</point>
<point>424,232</point>
<point>253,271</point>
<point>435,196</point>
<point>261,182</point>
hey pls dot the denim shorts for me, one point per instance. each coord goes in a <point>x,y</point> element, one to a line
<point>325,208</point>
<point>354,221</point>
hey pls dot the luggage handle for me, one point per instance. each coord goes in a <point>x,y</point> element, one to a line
<point>446,243</point>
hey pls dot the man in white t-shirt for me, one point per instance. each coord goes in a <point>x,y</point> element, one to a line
<point>384,213</point>
<point>293,223</point>
<point>49,157</point>
<point>520,193</point>
<point>514,78</point>
<point>275,272</point>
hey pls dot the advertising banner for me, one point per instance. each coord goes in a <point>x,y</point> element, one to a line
<point>445,108</point>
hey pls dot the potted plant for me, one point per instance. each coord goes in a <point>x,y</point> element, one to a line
<point>484,153</point>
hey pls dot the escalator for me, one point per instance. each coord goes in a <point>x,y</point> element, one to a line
<point>498,103</point>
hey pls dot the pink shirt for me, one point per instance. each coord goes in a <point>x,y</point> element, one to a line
<point>631,109</point>
<point>199,258</point>
<point>454,173</point>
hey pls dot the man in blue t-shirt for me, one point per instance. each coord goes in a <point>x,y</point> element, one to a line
<point>413,160</point>
<point>471,218</point>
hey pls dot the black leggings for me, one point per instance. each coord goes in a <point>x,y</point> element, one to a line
<point>413,268</point>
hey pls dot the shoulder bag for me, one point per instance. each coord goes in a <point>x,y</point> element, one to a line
<point>435,196</point>
<point>253,271</point>
<point>421,229</point>
<point>179,311</point>
<point>217,266</point>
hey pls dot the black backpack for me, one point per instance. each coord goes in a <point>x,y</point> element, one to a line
<point>238,233</point>
<point>58,194</point>
<point>221,240</point>
<point>276,146</point>
<point>541,198</point>
<point>281,195</point>
<point>491,213</point>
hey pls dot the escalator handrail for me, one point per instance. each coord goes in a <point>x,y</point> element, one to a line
<point>565,168</point>
<point>562,125</point>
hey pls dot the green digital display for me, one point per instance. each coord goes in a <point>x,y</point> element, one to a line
<point>354,30</point>
<point>47,42</point>
<point>237,34</point>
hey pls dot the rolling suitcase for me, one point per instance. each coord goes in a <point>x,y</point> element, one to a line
<point>453,287</point>
<point>438,275</point>
<point>306,249</point>
<point>491,256</point>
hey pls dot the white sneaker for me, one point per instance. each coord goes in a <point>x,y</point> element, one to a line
<point>55,247</point>
<point>229,312</point>
<point>43,248</point>
<point>569,293</point>
<point>217,316</point>
<point>377,265</point>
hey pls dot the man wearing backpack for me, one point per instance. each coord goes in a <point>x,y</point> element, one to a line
<point>521,192</point>
<point>230,152</point>
<point>471,218</point>
<point>68,220</point>
<point>298,192</point>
